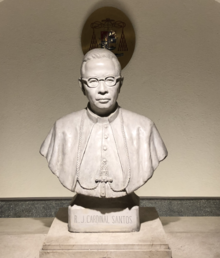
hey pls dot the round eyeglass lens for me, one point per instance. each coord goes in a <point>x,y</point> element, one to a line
<point>93,82</point>
<point>110,81</point>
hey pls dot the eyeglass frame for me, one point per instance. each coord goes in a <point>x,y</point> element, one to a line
<point>99,79</point>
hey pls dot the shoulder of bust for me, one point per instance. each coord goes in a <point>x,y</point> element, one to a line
<point>70,119</point>
<point>134,118</point>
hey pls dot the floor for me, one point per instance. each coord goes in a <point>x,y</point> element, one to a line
<point>188,237</point>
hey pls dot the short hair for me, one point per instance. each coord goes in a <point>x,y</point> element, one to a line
<point>98,53</point>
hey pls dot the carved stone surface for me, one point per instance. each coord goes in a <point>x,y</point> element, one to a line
<point>149,242</point>
<point>103,150</point>
<point>92,214</point>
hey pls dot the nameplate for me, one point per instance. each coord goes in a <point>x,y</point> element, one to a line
<point>88,220</point>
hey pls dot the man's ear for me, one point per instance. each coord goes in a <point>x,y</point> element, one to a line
<point>81,86</point>
<point>121,82</point>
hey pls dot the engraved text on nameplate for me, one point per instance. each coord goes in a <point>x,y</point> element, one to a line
<point>102,219</point>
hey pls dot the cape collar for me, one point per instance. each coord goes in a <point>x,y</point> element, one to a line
<point>98,119</point>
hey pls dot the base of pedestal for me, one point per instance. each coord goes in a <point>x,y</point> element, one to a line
<point>149,242</point>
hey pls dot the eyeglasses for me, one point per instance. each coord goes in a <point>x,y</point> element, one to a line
<point>110,81</point>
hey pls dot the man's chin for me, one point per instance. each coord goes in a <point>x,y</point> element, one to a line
<point>104,108</point>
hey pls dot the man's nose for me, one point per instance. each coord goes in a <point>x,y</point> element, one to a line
<point>103,89</point>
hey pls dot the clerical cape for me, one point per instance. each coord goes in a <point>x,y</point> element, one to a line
<point>103,156</point>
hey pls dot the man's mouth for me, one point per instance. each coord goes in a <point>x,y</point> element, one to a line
<point>103,100</point>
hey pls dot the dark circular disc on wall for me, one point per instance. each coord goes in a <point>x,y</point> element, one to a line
<point>109,28</point>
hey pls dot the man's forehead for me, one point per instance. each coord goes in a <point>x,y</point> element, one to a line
<point>100,67</point>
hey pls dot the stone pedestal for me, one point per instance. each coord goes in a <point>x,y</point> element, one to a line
<point>149,242</point>
<point>92,214</point>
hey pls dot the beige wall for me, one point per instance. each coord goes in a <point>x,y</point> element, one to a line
<point>173,78</point>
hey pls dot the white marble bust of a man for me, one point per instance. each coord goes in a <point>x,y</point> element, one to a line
<point>103,150</point>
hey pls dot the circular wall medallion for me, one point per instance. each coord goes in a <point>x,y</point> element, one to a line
<point>109,28</point>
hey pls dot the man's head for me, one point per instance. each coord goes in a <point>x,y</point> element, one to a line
<point>101,80</point>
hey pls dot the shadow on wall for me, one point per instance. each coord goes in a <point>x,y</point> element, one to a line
<point>112,3</point>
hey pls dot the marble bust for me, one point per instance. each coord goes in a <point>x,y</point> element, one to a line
<point>103,150</point>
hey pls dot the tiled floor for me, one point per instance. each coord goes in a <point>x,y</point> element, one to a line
<point>188,237</point>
